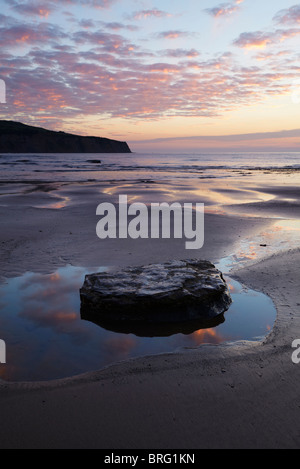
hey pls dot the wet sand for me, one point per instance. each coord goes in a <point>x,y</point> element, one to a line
<point>48,226</point>
<point>241,395</point>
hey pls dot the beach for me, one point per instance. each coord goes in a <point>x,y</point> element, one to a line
<point>241,394</point>
<point>149,227</point>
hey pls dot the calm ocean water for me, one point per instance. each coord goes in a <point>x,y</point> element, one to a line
<point>85,167</point>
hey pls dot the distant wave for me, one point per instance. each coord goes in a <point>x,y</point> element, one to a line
<point>79,167</point>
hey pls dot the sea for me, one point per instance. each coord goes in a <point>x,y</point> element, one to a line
<point>79,167</point>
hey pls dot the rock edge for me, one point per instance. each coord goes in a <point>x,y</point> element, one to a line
<point>175,291</point>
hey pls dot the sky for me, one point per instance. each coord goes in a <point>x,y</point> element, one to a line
<point>169,76</point>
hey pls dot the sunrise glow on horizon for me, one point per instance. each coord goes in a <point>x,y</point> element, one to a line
<point>166,76</point>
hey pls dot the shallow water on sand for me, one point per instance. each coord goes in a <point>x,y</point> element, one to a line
<point>283,234</point>
<point>47,339</point>
<point>40,314</point>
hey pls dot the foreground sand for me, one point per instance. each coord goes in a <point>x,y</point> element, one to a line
<point>244,395</point>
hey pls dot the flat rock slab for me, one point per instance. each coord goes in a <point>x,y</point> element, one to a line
<point>175,291</point>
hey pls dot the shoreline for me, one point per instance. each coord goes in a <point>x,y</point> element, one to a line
<point>245,394</point>
<point>237,395</point>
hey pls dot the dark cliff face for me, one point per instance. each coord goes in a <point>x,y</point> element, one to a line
<point>20,138</point>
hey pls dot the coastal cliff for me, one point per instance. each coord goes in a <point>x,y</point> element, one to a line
<point>16,137</point>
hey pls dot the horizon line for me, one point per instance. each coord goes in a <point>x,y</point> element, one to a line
<point>230,137</point>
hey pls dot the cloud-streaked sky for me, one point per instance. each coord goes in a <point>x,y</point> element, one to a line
<point>170,75</point>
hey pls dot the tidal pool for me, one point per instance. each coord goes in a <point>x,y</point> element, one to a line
<point>46,338</point>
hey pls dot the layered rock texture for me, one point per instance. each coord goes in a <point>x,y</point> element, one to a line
<point>174,292</point>
<point>16,137</point>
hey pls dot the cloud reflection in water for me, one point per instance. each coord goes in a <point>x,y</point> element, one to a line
<point>47,339</point>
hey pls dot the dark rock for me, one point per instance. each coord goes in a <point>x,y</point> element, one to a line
<point>153,329</point>
<point>173,292</point>
<point>16,137</point>
<point>94,161</point>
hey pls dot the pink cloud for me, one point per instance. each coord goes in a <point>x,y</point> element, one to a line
<point>97,38</point>
<point>108,42</point>
<point>180,53</point>
<point>225,9</point>
<point>32,8</point>
<point>37,7</point>
<point>288,16</point>
<point>97,71</point>
<point>118,26</point>
<point>175,34</point>
<point>145,14</point>
<point>66,85</point>
<point>270,141</point>
<point>113,26</point>
<point>17,34</point>
<point>260,40</point>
